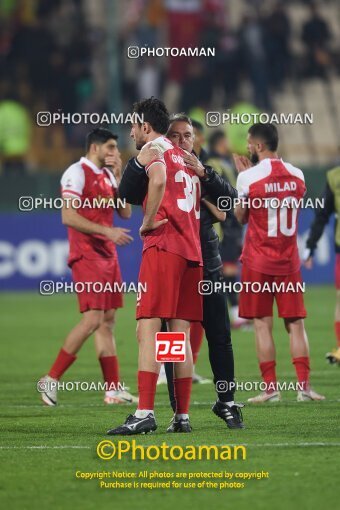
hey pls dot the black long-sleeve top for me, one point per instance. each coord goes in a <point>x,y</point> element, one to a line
<point>322,215</point>
<point>133,187</point>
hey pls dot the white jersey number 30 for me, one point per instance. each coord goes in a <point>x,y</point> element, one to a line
<point>191,192</point>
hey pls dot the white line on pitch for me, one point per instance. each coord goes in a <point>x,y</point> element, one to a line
<point>122,406</point>
<point>256,445</point>
<point>44,447</point>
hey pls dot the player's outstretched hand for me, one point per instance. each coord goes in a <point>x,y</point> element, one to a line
<point>118,235</point>
<point>307,258</point>
<point>241,162</point>
<point>146,227</point>
<point>308,263</point>
<point>149,153</point>
<point>194,164</point>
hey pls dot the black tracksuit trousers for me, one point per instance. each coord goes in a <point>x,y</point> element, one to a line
<point>217,330</point>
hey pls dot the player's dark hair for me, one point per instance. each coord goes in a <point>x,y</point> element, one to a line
<point>197,125</point>
<point>215,137</point>
<point>154,112</point>
<point>100,136</point>
<point>267,133</point>
<point>180,117</point>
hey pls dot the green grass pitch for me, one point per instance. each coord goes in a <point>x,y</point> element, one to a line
<point>298,443</point>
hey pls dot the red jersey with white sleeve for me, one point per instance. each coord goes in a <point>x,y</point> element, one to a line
<point>93,188</point>
<point>273,189</point>
<point>180,205</point>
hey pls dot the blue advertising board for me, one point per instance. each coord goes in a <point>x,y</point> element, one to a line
<point>34,247</point>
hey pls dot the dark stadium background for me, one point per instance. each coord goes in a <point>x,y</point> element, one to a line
<point>71,56</point>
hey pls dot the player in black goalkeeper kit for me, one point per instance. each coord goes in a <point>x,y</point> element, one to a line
<point>215,317</point>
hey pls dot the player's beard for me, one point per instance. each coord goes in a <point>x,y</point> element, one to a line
<point>139,142</point>
<point>138,137</point>
<point>139,145</point>
<point>254,158</point>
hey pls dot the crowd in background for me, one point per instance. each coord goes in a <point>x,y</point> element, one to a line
<point>47,63</point>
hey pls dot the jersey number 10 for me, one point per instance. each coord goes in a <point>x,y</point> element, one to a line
<point>280,215</point>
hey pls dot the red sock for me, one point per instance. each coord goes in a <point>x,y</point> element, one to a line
<point>269,374</point>
<point>147,382</point>
<point>182,394</point>
<point>337,332</point>
<point>302,370</point>
<point>110,369</point>
<point>196,337</point>
<point>63,361</point>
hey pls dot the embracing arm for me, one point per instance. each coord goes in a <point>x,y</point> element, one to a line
<point>219,215</point>
<point>216,186</point>
<point>134,183</point>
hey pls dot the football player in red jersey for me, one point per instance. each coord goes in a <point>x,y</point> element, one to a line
<point>93,258</point>
<point>270,259</point>
<point>171,264</point>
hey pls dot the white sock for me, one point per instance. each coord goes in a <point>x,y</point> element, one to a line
<point>142,413</point>
<point>182,416</point>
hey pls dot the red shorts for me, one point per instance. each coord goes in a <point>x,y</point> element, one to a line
<point>337,271</point>
<point>171,287</point>
<point>105,271</point>
<point>254,304</point>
